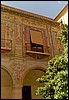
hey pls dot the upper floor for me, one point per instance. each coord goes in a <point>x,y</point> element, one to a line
<point>28,34</point>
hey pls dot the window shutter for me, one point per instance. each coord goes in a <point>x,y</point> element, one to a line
<point>36,37</point>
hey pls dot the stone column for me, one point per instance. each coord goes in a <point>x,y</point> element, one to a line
<point>17,91</point>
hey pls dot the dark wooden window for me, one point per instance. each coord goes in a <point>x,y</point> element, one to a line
<point>36,41</point>
<point>36,47</point>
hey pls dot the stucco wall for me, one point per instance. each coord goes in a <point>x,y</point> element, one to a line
<point>64,18</point>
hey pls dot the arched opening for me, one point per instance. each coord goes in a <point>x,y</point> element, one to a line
<point>6,84</point>
<point>30,85</point>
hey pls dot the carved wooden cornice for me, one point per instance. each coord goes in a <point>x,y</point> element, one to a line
<point>25,13</point>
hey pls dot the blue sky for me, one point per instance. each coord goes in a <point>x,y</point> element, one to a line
<point>45,8</point>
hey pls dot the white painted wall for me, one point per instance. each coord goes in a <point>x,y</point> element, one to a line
<point>64,18</point>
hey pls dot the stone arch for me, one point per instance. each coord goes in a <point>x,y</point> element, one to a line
<point>31,68</point>
<point>29,79</point>
<point>6,83</point>
<point>8,70</point>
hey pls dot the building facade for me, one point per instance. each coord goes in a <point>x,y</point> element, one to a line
<point>28,42</point>
<point>62,16</point>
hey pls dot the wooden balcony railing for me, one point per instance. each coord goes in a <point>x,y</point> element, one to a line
<point>6,44</point>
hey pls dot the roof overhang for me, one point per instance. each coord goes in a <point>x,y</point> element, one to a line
<point>26,13</point>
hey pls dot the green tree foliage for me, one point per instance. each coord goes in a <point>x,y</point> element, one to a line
<point>55,82</point>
